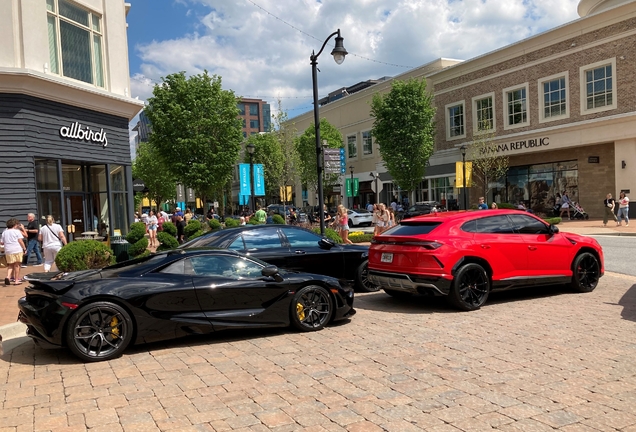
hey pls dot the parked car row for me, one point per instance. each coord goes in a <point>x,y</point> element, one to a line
<point>281,275</point>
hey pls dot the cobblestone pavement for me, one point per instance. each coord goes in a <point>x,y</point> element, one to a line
<point>532,360</point>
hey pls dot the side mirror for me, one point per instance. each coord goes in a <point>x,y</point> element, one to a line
<point>554,229</point>
<point>325,243</point>
<point>272,271</point>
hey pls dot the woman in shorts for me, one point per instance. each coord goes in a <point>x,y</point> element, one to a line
<point>343,224</point>
<point>14,248</point>
<point>152,228</point>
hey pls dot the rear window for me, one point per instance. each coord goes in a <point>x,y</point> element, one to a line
<point>411,229</point>
<point>202,241</point>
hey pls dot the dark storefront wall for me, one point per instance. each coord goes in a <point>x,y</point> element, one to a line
<point>30,134</point>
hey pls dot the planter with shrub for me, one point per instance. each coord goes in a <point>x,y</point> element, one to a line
<point>360,237</point>
<point>84,255</point>
<point>137,239</point>
<point>214,224</point>
<point>553,221</point>
<point>231,223</point>
<point>278,219</point>
<point>167,241</point>
<point>330,234</point>
<point>193,229</point>
<point>169,228</point>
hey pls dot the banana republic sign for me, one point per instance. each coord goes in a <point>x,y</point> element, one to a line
<point>516,145</point>
<point>84,133</point>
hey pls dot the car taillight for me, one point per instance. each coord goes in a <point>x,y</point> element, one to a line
<point>430,245</point>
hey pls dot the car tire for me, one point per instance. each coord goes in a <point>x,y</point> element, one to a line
<point>470,287</point>
<point>398,294</point>
<point>586,272</point>
<point>311,308</point>
<point>362,279</point>
<point>99,331</point>
<point>350,223</point>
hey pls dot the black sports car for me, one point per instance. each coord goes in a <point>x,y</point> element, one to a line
<point>294,248</point>
<point>97,313</point>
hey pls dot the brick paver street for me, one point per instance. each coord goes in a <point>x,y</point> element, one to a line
<point>530,360</point>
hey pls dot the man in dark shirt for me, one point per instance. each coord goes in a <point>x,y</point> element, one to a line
<point>180,229</point>
<point>32,230</point>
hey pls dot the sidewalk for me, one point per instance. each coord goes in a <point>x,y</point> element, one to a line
<point>11,294</point>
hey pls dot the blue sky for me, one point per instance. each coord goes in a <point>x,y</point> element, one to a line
<point>261,48</point>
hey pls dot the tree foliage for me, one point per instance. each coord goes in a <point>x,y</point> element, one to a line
<point>306,147</point>
<point>268,152</point>
<point>196,129</point>
<point>150,167</point>
<point>488,165</point>
<point>285,133</point>
<point>404,130</point>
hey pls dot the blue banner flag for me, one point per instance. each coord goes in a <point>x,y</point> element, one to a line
<point>259,180</point>
<point>244,179</point>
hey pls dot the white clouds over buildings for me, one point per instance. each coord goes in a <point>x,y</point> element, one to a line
<point>258,55</point>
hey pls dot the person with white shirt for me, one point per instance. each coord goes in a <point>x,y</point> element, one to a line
<point>52,238</point>
<point>14,248</point>
<point>623,209</point>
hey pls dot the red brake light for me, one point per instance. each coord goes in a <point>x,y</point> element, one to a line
<point>71,306</point>
<point>430,245</point>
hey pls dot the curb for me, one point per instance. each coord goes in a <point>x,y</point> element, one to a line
<point>614,234</point>
<point>12,336</point>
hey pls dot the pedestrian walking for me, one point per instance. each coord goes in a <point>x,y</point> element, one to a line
<point>382,219</point>
<point>14,248</point>
<point>609,203</point>
<point>181,224</point>
<point>343,224</point>
<point>565,204</point>
<point>623,209</point>
<point>153,224</point>
<point>391,221</point>
<point>52,238</point>
<point>33,244</point>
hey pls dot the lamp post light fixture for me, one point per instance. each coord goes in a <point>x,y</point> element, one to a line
<point>339,52</point>
<point>351,169</point>
<point>463,150</point>
<point>250,150</point>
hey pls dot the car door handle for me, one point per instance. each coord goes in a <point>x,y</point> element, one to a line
<point>532,247</point>
<point>299,252</point>
<point>485,246</point>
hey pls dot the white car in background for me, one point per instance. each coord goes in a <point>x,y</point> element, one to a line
<point>359,217</point>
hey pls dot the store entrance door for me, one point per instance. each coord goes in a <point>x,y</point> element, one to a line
<point>75,215</point>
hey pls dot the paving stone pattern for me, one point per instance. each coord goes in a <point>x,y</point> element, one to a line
<point>533,360</point>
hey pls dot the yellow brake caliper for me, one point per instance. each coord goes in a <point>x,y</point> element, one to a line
<point>113,327</point>
<point>300,310</point>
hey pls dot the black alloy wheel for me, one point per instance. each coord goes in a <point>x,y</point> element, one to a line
<point>311,308</point>
<point>99,331</point>
<point>362,279</point>
<point>470,288</point>
<point>350,223</point>
<point>586,272</point>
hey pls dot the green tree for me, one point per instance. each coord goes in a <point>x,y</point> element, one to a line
<point>267,151</point>
<point>404,130</point>
<point>196,129</point>
<point>285,133</point>
<point>306,147</point>
<point>150,167</point>
<point>488,164</point>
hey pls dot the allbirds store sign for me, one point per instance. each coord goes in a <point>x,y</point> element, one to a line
<point>84,133</point>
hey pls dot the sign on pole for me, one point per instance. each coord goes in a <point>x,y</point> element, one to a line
<point>459,174</point>
<point>259,180</point>
<point>335,161</point>
<point>356,187</point>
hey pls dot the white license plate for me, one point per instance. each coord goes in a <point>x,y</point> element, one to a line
<point>387,257</point>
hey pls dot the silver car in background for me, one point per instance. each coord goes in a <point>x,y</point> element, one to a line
<point>359,217</point>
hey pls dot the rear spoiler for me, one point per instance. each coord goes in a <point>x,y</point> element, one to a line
<point>49,282</point>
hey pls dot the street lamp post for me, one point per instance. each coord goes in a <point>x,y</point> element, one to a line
<point>339,52</point>
<point>463,150</point>
<point>250,150</point>
<point>351,168</point>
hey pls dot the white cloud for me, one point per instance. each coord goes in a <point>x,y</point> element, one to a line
<point>259,55</point>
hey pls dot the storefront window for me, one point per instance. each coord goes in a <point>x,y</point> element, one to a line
<point>117,178</point>
<point>98,178</point>
<point>50,203</point>
<point>120,213</point>
<point>72,177</point>
<point>46,176</point>
<point>100,222</point>
<point>442,190</point>
<point>537,186</point>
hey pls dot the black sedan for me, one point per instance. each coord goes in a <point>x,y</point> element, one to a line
<point>98,313</point>
<point>294,248</point>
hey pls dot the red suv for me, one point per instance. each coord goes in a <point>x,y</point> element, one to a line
<point>466,255</point>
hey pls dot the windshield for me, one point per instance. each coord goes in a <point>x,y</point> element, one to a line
<point>411,229</point>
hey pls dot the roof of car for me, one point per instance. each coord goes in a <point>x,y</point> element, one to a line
<point>461,215</point>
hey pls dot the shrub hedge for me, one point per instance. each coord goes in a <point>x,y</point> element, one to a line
<point>84,255</point>
<point>231,223</point>
<point>553,221</point>
<point>330,234</point>
<point>360,237</point>
<point>167,241</point>
<point>137,239</point>
<point>169,228</point>
<point>278,219</point>
<point>214,224</point>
